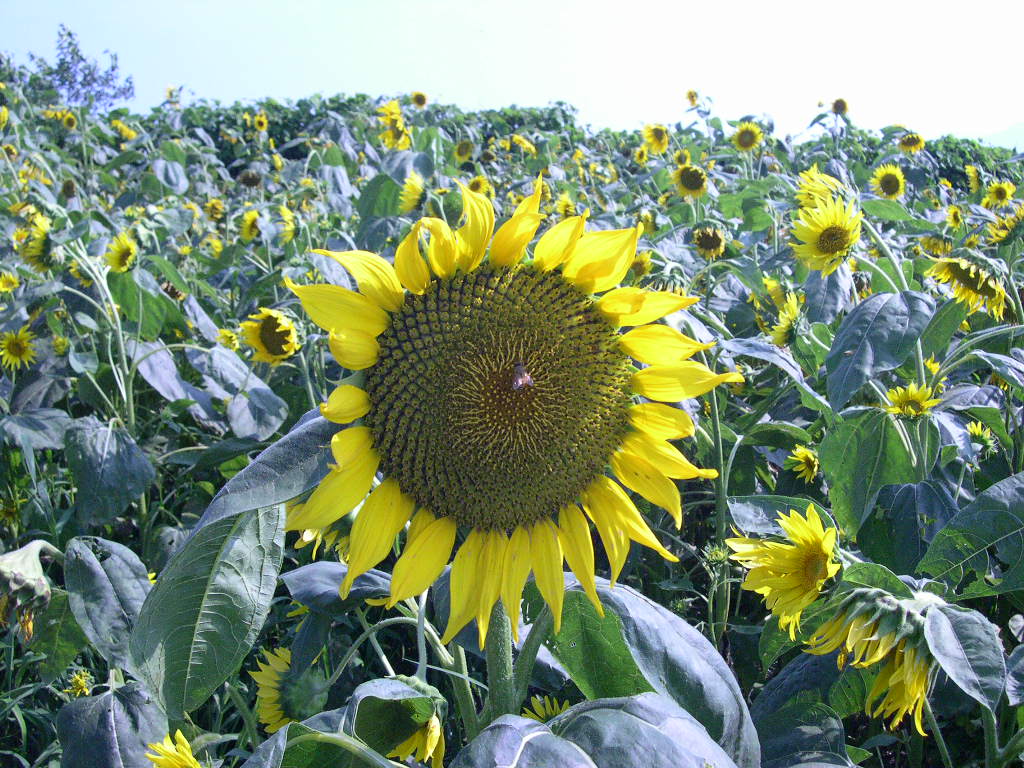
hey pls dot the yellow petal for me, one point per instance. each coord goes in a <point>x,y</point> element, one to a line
<point>442,249</point>
<point>334,308</point>
<point>601,259</point>
<point>661,421</point>
<point>641,476</point>
<point>556,246</point>
<point>353,350</point>
<point>410,267</point>
<point>663,455</point>
<point>514,571</point>
<point>384,513</point>
<point>653,344</point>
<point>463,585</point>
<point>679,381</point>
<point>345,404</point>
<point>423,560</point>
<point>574,536</point>
<point>474,236</point>
<point>546,553</point>
<point>419,523</point>
<point>489,579</point>
<point>512,237</point>
<point>638,306</point>
<point>607,495</point>
<point>374,276</point>
<point>531,204</point>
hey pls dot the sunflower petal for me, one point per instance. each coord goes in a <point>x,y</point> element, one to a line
<point>663,455</point>
<point>614,539</point>
<point>641,476</point>
<point>515,569</point>
<point>607,494</point>
<point>344,486</point>
<point>374,276</point>
<point>629,305</point>
<point>345,404</point>
<point>410,267</point>
<point>661,421</point>
<point>463,584</point>
<point>442,248</point>
<point>474,236</point>
<point>385,512</point>
<point>556,245</point>
<point>601,259</point>
<point>423,560</point>
<point>489,583</point>
<point>334,308</point>
<point>574,536</point>
<point>654,344</point>
<point>512,237</point>
<point>546,553</point>
<point>353,350</point>
<point>680,381</point>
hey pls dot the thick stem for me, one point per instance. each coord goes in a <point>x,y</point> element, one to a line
<point>992,755</point>
<point>464,694</point>
<point>528,655</point>
<point>940,742</point>
<point>500,683</point>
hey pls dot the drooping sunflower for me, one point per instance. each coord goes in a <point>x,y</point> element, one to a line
<point>286,231</point>
<point>710,242</point>
<point>17,348</point>
<point>936,245</point>
<point>782,331</point>
<point>497,389</point>
<point>69,121</point>
<point>889,182</point>
<point>816,187</point>
<point>173,754</point>
<point>747,137</point>
<point>214,208</point>
<point>426,743</point>
<point>640,155</point>
<point>789,575</point>
<point>261,122</point>
<point>656,138</point>
<point>827,232</point>
<point>1006,226</point>
<point>999,194</point>
<point>121,252</point>
<point>227,338</point>
<point>544,708</point>
<point>564,206</point>
<point>691,181</point>
<point>973,178</point>
<point>971,285</point>
<point>9,282</point>
<point>911,401</point>
<point>39,251</point>
<point>412,194</point>
<point>126,132</point>
<point>272,335</point>
<point>524,144</point>
<point>250,227</point>
<point>272,670</point>
<point>911,143</point>
<point>804,462</point>
<point>464,150</point>
<point>419,99</point>
<point>955,216</point>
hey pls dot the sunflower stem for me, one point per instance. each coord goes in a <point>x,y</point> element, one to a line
<point>721,602</point>
<point>940,742</point>
<point>421,637</point>
<point>464,694</point>
<point>500,683</point>
<point>528,655</point>
<point>988,720</point>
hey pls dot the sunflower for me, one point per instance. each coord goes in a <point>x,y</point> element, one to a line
<point>496,392</point>
<point>214,208</point>
<point>640,155</point>
<point>9,282</point>
<point>4,116</point>
<point>271,334</point>
<point>999,194</point>
<point>789,575</point>
<point>69,121</point>
<point>681,157</point>
<point>911,401</point>
<point>396,136</point>
<point>816,187</point>
<point>419,99</point>
<point>971,285</point>
<point>747,137</point>
<point>286,230</point>
<point>544,708</point>
<point>524,144</point>
<point>710,242</point>
<point>840,107</point>
<point>955,216</point>
<point>655,138</point>
<point>691,97</point>
<point>75,270</point>
<point>828,231</point>
<point>481,186</point>
<point>227,338</point>
<point>80,684</point>
<point>911,143</point>
<point>782,332</point>
<point>413,193</point>
<point>690,180</point>
<point>250,227</point>
<point>121,252</point>
<point>1005,226</point>
<point>804,463</point>
<point>17,349</point>
<point>124,130</point>
<point>936,245</point>
<point>889,182</point>
<point>61,344</point>
<point>426,743</point>
<point>261,122</point>
<point>464,150</point>
<point>39,251</point>
<point>173,754</point>
<point>973,178</point>
<point>564,206</point>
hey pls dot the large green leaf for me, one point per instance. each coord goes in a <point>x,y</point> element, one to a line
<point>803,734</point>
<point>145,306</point>
<point>875,337</point>
<point>328,747</point>
<point>107,585</point>
<point>207,608</point>
<point>383,713</point>
<point>57,635</point>
<point>111,730</point>
<point>966,645</point>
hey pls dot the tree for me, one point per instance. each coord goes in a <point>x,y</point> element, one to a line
<point>78,80</point>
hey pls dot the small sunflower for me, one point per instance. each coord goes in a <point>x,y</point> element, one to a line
<point>121,252</point>
<point>214,208</point>
<point>173,754</point>
<point>75,270</point>
<point>464,150</point>
<point>804,463</point>
<point>80,684</point>
<point>656,138</point>
<point>747,137</point>
<point>681,157</point>
<point>261,122</point>
<point>17,348</point>
<point>419,99</point>
<point>544,708</point>
<point>61,344</point>
<point>426,743</point>
<point>564,206</point>
<point>709,241</point>
<point>999,194</point>
<point>971,285</point>
<point>39,250</point>
<point>124,130</point>
<point>287,227</point>
<point>691,97</point>
<point>889,182</point>
<point>250,227</point>
<point>69,121</point>
<point>413,193</point>
<point>955,216</point>
<point>789,575</point>
<point>827,232</point>
<point>481,186</point>
<point>272,671</point>
<point>936,245</point>
<point>271,334</point>
<point>782,331</point>
<point>640,155</point>
<point>816,187</point>
<point>911,401</point>
<point>524,144</point>
<point>9,282</point>
<point>691,181</point>
<point>227,338</point>
<point>973,178</point>
<point>911,143</point>
<point>840,107</point>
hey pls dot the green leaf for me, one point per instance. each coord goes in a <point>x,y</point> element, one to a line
<point>110,470</point>
<point>173,153</point>
<point>1015,677</point>
<point>777,434</point>
<point>58,635</point>
<point>875,576</point>
<point>171,174</point>
<point>379,197</point>
<point>126,157</point>
<point>886,210</point>
<point>803,734</point>
<point>139,296</point>
<point>112,729</point>
<point>966,645</point>
<point>384,713</point>
<point>331,747</point>
<point>760,514</point>
<point>875,337</point>
<point>208,606</point>
<point>944,323</point>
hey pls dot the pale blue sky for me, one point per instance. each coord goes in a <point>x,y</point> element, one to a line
<point>621,64</point>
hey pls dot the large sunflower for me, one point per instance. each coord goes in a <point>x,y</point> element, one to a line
<point>710,242</point>
<point>497,390</point>
<point>971,285</point>
<point>828,231</point>
<point>17,349</point>
<point>889,182</point>
<point>271,334</point>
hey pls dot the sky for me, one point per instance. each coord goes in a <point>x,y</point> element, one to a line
<point>621,64</point>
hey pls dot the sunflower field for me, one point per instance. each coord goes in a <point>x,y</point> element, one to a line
<point>370,432</point>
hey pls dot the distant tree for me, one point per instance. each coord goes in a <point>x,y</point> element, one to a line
<point>78,80</point>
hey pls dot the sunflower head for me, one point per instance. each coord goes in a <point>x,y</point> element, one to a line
<point>285,694</point>
<point>413,193</point>
<point>816,187</point>
<point>911,143</point>
<point>261,122</point>
<point>691,181</point>
<point>709,241</point>
<point>17,348</point>
<point>464,150</point>
<point>641,155</point>
<point>955,216</point>
<point>827,233</point>
<point>656,138</point>
<point>524,144</point>
<point>911,401</point>
<point>747,137</point>
<point>1006,227</point>
<point>286,225</point>
<point>840,107</point>
<point>481,186</point>
<point>789,311</point>
<point>419,99</point>
<point>544,708</point>
<point>564,206</point>
<point>889,182</point>
<point>38,250</point>
<point>69,121</point>
<point>973,178</point>
<point>971,284</point>
<point>121,252</point>
<point>271,334</point>
<point>214,208</point>
<point>691,97</point>
<point>9,282</point>
<point>80,684</point>
<point>999,194</point>
<point>176,753</point>
<point>249,229</point>
<point>803,461</point>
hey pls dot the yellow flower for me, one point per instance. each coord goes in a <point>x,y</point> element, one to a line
<point>889,182</point>
<point>789,575</point>
<point>656,138</point>
<point>955,216</point>
<point>565,207</point>
<point>464,150</point>
<point>121,252</point>
<point>75,269</point>
<point>911,143</point>
<point>681,157</point>
<point>481,186</point>
<point>39,251</point>
<point>999,194</point>
<point>427,743</point>
<point>261,122</point>
<point>804,462</point>
<point>419,99</point>
<point>932,365</point>
<point>11,151</point>
<point>250,227</point>
<point>936,245</point>
<point>60,344</point>
<point>840,107</point>
<point>911,401</point>
<point>747,137</point>
<point>514,397</point>
<point>396,136</point>
<point>973,178</point>
<point>691,96</point>
<point>544,708</point>
<point>971,285</point>
<point>710,242</point>
<point>690,180</point>
<point>9,282</point>
<point>17,348</point>
<point>524,144</point>
<point>272,670</point>
<point>227,338</point>
<point>69,121</point>
<point>828,231</point>
<point>214,244</point>
<point>413,192</point>
<point>124,130</point>
<point>782,332</point>
<point>271,334</point>
<point>80,684</point>
<point>816,187</point>
<point>640,155</point>
<point>287,232</point>
<point>173,754</point>
<point>1005,226</point>
<point>214,208</point>
<point>4,116</point>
